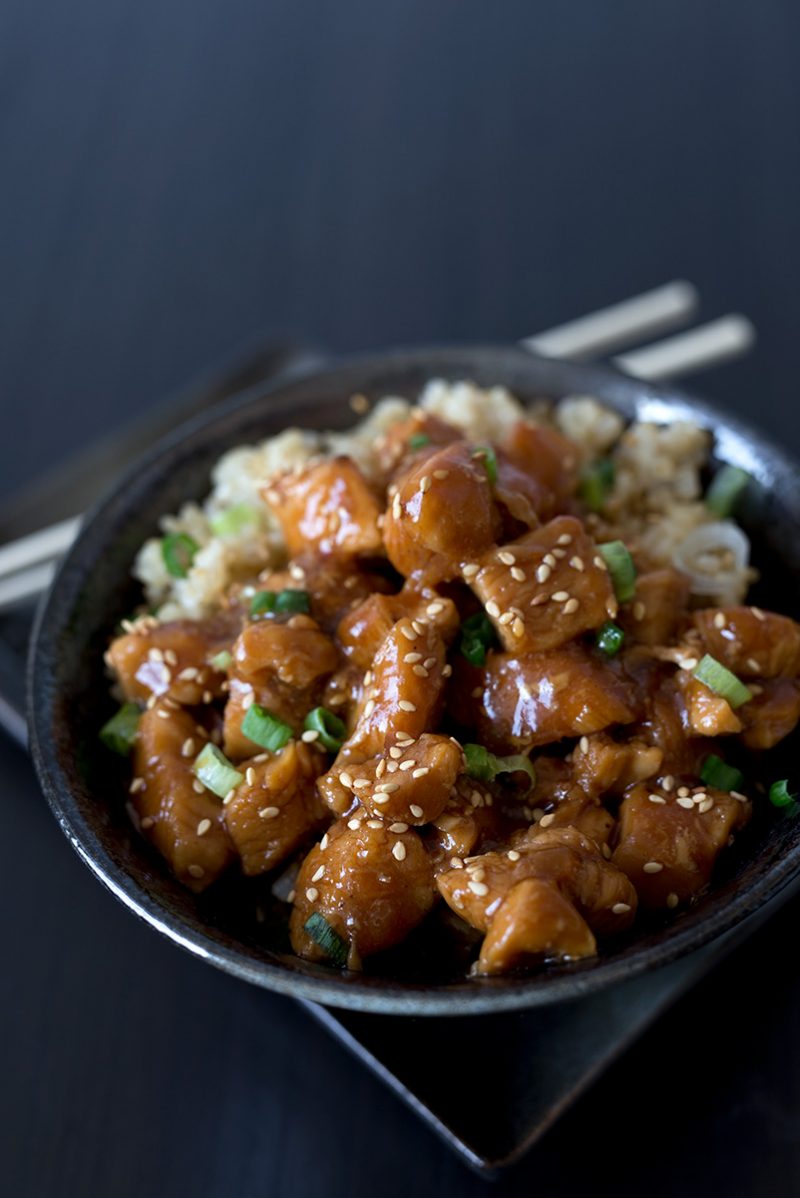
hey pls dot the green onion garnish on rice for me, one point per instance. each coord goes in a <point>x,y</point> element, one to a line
<point>213,769</point>
<point>279,601</point>
<point>621,568</point>
<point>721,681</point>
<point>418,440</point>
<point>724,777</point>
<point>233,519</point>
<point>610,638</point>
<point>780,795</point>
<point>178,550</point>
<point>330,729</point>
<point>265,729</point>
<point>596,483</point>
<point>477,635</point>
<point>220,661</point>
<point>119,733</point>
<point>725,490</point>
<point>484,766</point>
<point>487,455</point>
<point>331,943</point>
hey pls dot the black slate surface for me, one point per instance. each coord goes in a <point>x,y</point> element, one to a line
<point>177,177</point>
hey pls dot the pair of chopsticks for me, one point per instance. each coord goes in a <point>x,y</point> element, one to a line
<point>27,565</point>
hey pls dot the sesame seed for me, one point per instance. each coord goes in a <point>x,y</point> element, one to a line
<point>433,609</point>
<point>323,844</point>
<point>429,663</point>
<point>506,557</point>
<point>599,562</point>
<point>388,788</point>
<point>456,863</point>
<point>672,900</point>
<point>188,674</point>
<point>758,613</point>
<point>564,539</point>
<point>583,744</point>
<point>699,796</point>
<point>652,867</point>
<point>560,596</point>
<point>203,827</point>
<point>406,705</point>
<point>492,609</point>
<point>441,474</point>
<point>229,797</point>
<point>408,633</point>
<point>269,812</point>
<point>197,786</point>
<point>407,765</point>
<point>399,851</point>
<point>196,871</point>
<point>397,507</point>
<point>479,888</point>
<point>639,610</point>
<point>411,659</point>
<point>369,707</point>
<point>359,404</point>
<point>415,810</point>
<point>156,655</point>
<point>507,617</point>
<point>250,776</point>
<point>549,560</point>
<point>518,627</point>
<point>469,571</point>
<point>543,573</point>
<point>162,715</point>
<point>740,798</point>
<point>683,791</point>
<point>297,572</point>
<point>425,484</point>
<point>346,780</point>
<point>420,671</point>
<point>576,563</point>
<point>668,783</point>
<point>571,606</point>
<point>657,799</point>
<point>688,663</point>
<point>513,855</point>
<point>146,823</point>
<point>719,620</point>
<point>420,772</point>
<point>418,626</point>
<point>391,767</point>
<point>354,824</point>
<point>360,783</point>
<point>621,908</point>
<point>606,850</point>
<point>686,803</point>
<point>187,748</point>
<point>706,806</point>
<point>320,873</point>
<point>517,574</point>
<point>170,657</point>
<point>547,820</point>
<point>398,828</point>
<point>312,894</point>
<point>208,697</point>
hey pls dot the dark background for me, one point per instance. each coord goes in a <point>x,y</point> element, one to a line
<point>176,177</point>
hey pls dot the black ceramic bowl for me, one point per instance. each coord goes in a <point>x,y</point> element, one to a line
<point>93,590</point>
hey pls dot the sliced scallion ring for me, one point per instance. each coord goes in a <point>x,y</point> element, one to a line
<point>724,777</point>
<point>610,638</point>
<point>477,635</point>
<point>213,769</point>
<point>418,441</point>
<point>232,520</point>
<point>178,550</point>
<point>725,490</point>
<point>487,455</point>
<point>621,568</point>
<point>329,940</point>
<point>293,601</point>
<point>262,601</point>
<point>484,766</point>
<point>721,681</point>
<point>119,733</point>
<point>220,661</point>
<point>265,729</point>
<point>332,731</point>
<point>780,795</point>
<point>596,483</point>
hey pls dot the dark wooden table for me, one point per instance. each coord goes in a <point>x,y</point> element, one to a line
<point>176,177</point>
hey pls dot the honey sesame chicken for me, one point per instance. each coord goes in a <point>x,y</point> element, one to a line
<point>453,687</point>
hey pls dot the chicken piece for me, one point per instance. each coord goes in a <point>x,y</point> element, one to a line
<point>371,884</point>
<point>534,923</point>
<point>441,515</point>
<point>659,608</point>
<point>296,653</point>
<point>285,703</point>
<point>578,811</point>
<point>599,890</point>
<point>602,765</point>
<point>405,696</point>
<point>544,454</point>
<point>173,659</point>
<point>342,694</point>
<point>707,713</point>
<point>544,589</point>
<point>470,819</point>
<point>750,642</point>
<point>276,808</point>
<point>362,632</point>
<point>519,496</point>
<point>334,585</point>
<point>399,450</point>
<point>176,813</point>
<point>410,783</point>
<point>327,508</point>
<point>517,703</point>
<point>662,713</point>
<point>771,714</point>
<point>668,849</point>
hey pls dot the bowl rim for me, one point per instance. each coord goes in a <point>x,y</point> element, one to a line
<point>637,399</point>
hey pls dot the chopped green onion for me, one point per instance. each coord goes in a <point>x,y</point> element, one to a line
<point>120,731</point>
<point>216,773</point>
<point>418,441</point>
<point>610,638</point>
<point>178,550</point>
<point>331,943</point>
<point>477,635</point>
<point>597,480</point>
<point>779,794</point>
<point>294,601</point>
<point>726,486</point>
<point>489,458</point>
<point>332,731</point>
<point>721,681</point>
<point>621,568</point>
<point>484,766</point>
<point>279,601</point>
<point>265,729</point>
<point>220,661</point>
<point>716,773</point>
<point>233,519</point>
